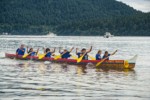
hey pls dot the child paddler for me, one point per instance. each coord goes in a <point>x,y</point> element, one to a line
<point>48,52</point>
<point>21,50</point>
<point>66,54</point>
<point>31,52</point>
<point>98,55</point>
<point>106,55</point>
<point>83,52</point>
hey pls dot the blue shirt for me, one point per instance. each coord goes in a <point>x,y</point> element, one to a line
<point>98,57</point>
<point>32,54</point>
<point>106,56</point>
<point>85,57</point>
<point>78,54</point>
<point>48,55</point>
<point>20,51</point>
<point>66,55</point>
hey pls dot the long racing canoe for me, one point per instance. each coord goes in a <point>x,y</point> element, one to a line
<point>117,64</point>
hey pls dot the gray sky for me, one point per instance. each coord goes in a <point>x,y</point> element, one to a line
<point>142,5</point>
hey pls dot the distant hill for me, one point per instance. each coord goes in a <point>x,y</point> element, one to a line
<point>71,17</point>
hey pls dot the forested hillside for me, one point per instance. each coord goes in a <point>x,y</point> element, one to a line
<point>71,17</point>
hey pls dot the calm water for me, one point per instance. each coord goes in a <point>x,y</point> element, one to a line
<point>36,81</point>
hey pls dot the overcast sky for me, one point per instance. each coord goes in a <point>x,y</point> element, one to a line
<point>142,5</point>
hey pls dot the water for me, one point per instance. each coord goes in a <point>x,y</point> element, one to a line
<point>35,80</point>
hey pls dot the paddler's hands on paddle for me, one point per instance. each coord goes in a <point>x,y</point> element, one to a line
<point>105,58</point>
<point>80,59</point>
<point>102,61</point>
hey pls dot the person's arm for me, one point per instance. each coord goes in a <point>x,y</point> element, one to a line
<point>54,50</point>
<point>89,50</point>
<point>59,50</point>
<point>17,51</point>
<point>71,49</point>
<point>76,51</point>
<point>37,51</point>
<point>114,52</point>
<point>27,49</point>
<point>44,50</point>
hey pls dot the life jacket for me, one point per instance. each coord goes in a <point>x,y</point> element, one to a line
<point>98,57</point>
<point>65,55</point>
<point>85,57</point>
<point>20,51</point>
<point>48,55</point>
<point>106,57</point>
<point>32,54</point>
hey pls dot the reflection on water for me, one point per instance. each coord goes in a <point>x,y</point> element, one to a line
<point>51,79</point>
<point>45,80</point>
<point>54,67</point>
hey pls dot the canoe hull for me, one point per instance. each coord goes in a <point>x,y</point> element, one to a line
<point>110,64</point>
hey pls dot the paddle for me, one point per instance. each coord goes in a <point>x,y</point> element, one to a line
<point>80,59</point>
<point>57,57</point>
<point>101,61</point>
<point>91,57</point>
<point>42,55</point>
<point>74,57</point>
<point>105,58</point>
<point>25,55</point>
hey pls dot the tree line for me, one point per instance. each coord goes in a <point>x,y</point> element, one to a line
<point>71,17</point>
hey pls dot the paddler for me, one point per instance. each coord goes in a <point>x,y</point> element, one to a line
<point>98,55</point>
<point>21,50</point>
<point>31,52</point>
<point>83,52</point>
<point>48,52</point>
<point>66,54</point>
<point>106,54</point>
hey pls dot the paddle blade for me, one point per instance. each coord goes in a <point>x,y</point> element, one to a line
<point>100,62</point>
<point>25,55</point>
<point>57,57</point>
<point>74,57</point>
<point>92,58</point>
<point>80,59</point>
<point>41,56</point>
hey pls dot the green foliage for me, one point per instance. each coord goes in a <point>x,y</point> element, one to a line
<point>137,25</point>
<point>71,17</point>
